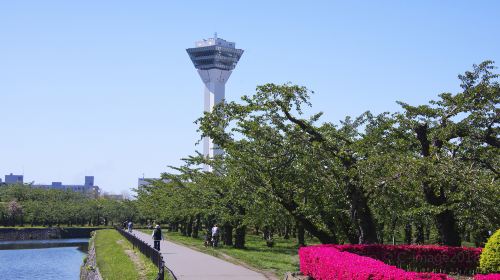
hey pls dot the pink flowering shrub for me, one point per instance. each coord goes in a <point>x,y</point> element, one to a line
<point>463,260</point>
<point>494,276</point>
<point>328,263</point>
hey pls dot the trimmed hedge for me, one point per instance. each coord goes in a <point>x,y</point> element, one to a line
<point>325,262</point>
<point>495,276</point>
<point>428,258</point>
<point>490,258</point>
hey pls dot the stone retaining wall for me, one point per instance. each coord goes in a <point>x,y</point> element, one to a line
<point>12,234</point>
<point>89,269</point>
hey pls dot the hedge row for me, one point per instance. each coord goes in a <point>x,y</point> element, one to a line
<point>493,276</point>
<point>428,258</point>
<point>325,262</point>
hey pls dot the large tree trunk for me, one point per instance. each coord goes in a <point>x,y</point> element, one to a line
<point>239,238</point>
<point>327,219</point>
<point>408,233</point>
<point>324,237</point>
<point>189,227</point>
<point>301,240</point>
<point>445,221</point>
<point>361,216</point>
<point>381,233</point>
<point>196,226</point>
<point>348,229</point>
<point>183,228</point>
<point>419,235</point>
<point>360,213</point>
<point>447,227</point>
<point>228,234</point>
<point>266,233</point>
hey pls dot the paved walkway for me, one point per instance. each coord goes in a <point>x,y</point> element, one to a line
<point>189,264</point>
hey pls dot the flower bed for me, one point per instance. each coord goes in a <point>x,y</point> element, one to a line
<point>430,258</point>
<point>494,276</point>
<point>328,263</point>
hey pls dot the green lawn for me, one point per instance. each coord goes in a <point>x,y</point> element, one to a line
<point>277,260</point>
<point>114,263</point>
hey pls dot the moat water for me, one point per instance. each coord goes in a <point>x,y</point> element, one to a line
<point>56,259</point>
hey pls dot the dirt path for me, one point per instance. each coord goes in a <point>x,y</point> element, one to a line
<point>139,265</point>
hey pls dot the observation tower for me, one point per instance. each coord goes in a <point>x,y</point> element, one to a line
<point>215,59</point>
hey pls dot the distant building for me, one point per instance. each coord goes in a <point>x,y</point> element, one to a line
<point>118,197</point>
<point>89,180</point>
<point>14,179</point>
<point>87,188</point>
<point>145,181</point>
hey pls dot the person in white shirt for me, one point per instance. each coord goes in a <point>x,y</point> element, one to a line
<point>215,235</point>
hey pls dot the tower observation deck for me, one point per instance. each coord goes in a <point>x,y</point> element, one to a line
<point>215,59</point>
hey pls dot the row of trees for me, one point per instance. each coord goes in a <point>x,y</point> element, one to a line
<point>22,204</point>
<point>427,168</point>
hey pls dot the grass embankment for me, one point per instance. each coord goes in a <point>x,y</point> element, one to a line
<point>117,259</point>
<point>277,260</point>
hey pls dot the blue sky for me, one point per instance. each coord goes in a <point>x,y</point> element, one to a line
<point>105,88</point>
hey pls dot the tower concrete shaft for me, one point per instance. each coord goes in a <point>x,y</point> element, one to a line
<point>215,88</point>
<point>215,59</point>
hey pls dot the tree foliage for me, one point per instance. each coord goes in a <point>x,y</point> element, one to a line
<point>429,168</point>
<point>21,204</point>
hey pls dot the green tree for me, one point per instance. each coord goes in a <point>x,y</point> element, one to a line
<point>452,145</point>
<point>312,171</point>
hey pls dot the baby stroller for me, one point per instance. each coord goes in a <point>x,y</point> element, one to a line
<point>208,240</point>
<point>215,240</point>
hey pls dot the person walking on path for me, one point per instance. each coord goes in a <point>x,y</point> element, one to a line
<point>157,237</point>
<point>130,226</point>
<point>215,235</point>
